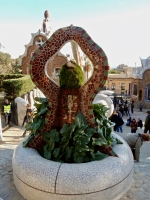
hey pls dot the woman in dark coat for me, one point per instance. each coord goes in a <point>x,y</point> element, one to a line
<point>115,118</point>
<point>139,123</point>
<point>133,126</point>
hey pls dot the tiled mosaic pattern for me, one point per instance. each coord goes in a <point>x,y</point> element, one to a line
<point>51,90</point>
<point>37,178</point>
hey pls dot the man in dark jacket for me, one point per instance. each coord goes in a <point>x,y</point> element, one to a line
<point>7,111</point>
<point>147,123</point>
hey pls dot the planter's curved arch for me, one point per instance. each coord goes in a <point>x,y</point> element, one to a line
<point>50,89</point>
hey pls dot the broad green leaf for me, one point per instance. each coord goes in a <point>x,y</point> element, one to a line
<point>85,140</point>
<point>47,155</point>
<point>80,120</point>
<point>46,136</point>
<point>89,131</point>
<point>99,156</point>
<point>64,142</point>
<point>78,158</point>
<point>43,110</point>
<point>54,135</point>
<point>98,141</point>
<point>67,130</point>
<point>83,148</point>
<point>69,154</point>
<point>29,139</point>
<point>56,152</point>
<point>36,126</point>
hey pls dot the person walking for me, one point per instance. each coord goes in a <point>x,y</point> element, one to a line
<point>128,110</point>
<point>135,142</point>
<point>28,117</point>
<point>125,109</point>
<point>133,126</point>
<point>121,122</point>
<point>115,118</point>
<point>147,123</point>
<point>139,123</point>
<point>132,106</point>
<point>7,111</point>
<point>121,109</point>
<point>141,107</point>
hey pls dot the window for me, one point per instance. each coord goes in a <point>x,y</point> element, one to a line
<point>147,93</point>
<point>134,89</point>
<point>122,86</point>
<point>113,86</point>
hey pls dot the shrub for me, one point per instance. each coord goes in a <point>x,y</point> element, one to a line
<point>16,85</point>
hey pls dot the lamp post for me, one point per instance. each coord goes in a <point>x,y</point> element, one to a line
<point>1,98</point>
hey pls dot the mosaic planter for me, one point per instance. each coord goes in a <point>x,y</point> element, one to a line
<point>37,178</point>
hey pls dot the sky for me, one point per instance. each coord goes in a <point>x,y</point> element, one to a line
<point>119,27</point>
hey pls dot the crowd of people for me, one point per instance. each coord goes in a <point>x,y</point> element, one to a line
<point>134,139</point>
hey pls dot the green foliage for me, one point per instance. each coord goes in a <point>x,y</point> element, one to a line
<point>104,125</point>
<point>114,71</point>
<point>74,143</point>
<point>9,65</point>
<point>16,85</point>
<point>16,67</point>
<point>71,77</point>
<point>40,112</point>
<point>5,63</point>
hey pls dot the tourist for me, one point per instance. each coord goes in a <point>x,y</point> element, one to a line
<point>28,117</point>
<point>7,111</point>
<point>121,122</point>
<point>139,123</point>
<point>125,109</point>
<point>118,111</point>
<point>132,106</point>
<point>120,102</point>
<point>115,118</point>
<point>140,107</point>
<point>135,142</point>
<point>128,110</point>
<point>128,121</point>
<point>121,109</point>
<point>147,123</point>
<point>133,126</point>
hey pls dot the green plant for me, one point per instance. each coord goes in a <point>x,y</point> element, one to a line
<point>75,143</point>
<point>16,85</point>
<point>40,112</point>
<point>71,77</point>
<point>104,124</point>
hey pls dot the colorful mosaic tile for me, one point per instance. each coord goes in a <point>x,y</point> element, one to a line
<point>52,91</point>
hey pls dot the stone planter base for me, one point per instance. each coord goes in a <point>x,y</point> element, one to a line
<point>37,178</point>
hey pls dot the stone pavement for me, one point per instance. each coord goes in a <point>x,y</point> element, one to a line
<point>140,189</point>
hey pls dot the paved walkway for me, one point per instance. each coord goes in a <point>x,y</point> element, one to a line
<point>140,189</point>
